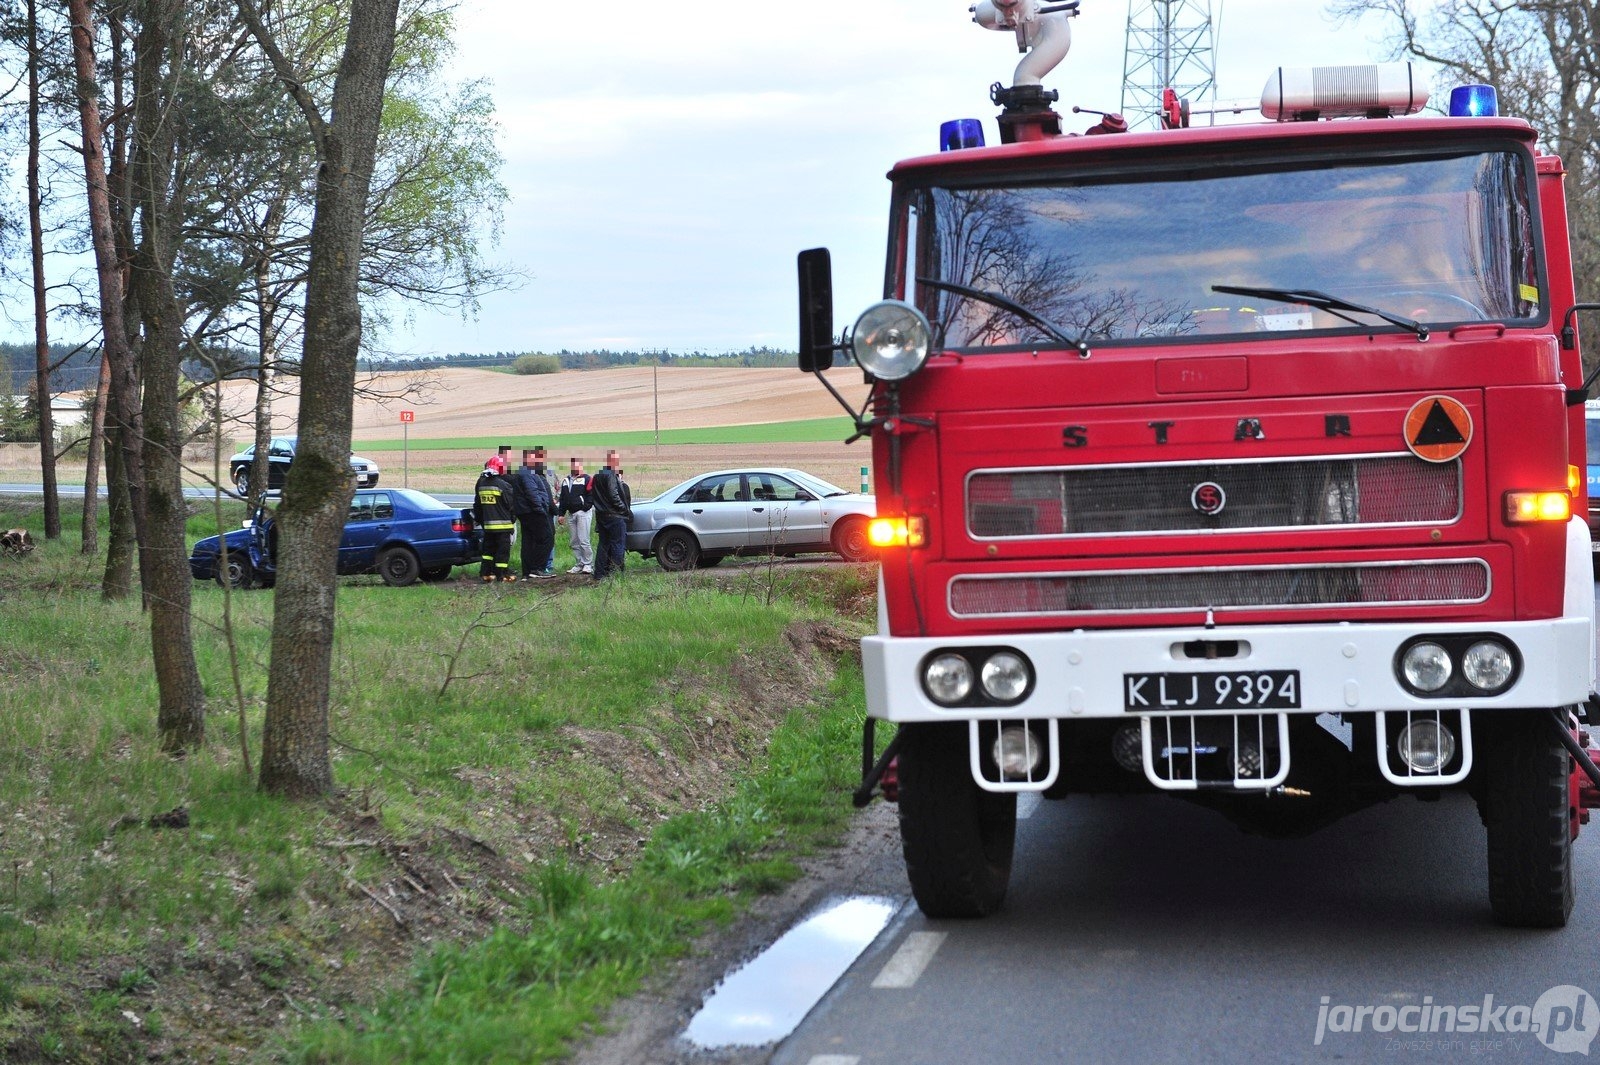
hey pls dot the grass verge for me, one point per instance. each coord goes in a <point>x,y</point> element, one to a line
<point>546,790</point>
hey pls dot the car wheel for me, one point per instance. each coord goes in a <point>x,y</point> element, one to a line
<point>1526,809</point>
<point>958,839</point>
<point>707,561</point>
<point>238,574</point>
<point>398,566</point>
<point>850,540</point>
<point>437,573</point>
<point>677,549</point>
<point>241,482</point>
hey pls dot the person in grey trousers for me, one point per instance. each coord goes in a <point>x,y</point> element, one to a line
<point>575,507</point>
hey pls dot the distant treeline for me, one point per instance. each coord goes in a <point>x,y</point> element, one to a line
<point>585,360</point>
<point>78,368</point>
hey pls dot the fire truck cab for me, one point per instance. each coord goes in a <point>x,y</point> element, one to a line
<point>1243,463</point>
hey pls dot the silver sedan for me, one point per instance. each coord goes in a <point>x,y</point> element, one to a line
<point>753,512</point>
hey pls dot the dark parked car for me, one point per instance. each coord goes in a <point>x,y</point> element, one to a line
<point>400,534</point>
<point>280,456</point>
<point>786,512</point>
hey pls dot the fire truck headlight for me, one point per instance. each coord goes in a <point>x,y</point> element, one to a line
<point>1017,752</point>
<point>1006,677</point>
<point>947,679</point>
<point>891,340</point>
<point>1426,666</point>
<point>1488,665</point>
<point>1426,746</point>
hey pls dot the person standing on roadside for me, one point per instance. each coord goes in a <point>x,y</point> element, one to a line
<point>612,515</point>
<point>627,506</point>
<point>575,507</point>
<point>493,510</point>
<point>554,484</point>
<point>536,509</point>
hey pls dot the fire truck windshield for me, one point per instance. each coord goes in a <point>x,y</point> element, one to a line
<point>1132,257</point>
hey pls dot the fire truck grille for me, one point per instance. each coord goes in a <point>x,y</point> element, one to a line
<point>1213,496</point>
<point>1259,587</point>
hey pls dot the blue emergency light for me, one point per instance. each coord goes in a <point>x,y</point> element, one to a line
<point>961,133</point>
<point>1473,101</point>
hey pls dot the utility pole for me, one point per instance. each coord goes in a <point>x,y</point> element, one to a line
<point>1171,44</point>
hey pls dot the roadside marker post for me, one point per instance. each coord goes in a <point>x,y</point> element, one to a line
<point>406,418</point>
<point>863,480</point>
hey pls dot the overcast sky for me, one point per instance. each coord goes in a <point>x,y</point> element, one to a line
<point>666,161</point>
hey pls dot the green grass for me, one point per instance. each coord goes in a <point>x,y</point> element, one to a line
<point>803,431</point>
<point>624,749</point>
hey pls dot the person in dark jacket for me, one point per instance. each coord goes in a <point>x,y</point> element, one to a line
<point>576,507</point>
<point>612,515</point>
<point>554,482</point>
<point>495,514</point>
<point>536,511</point>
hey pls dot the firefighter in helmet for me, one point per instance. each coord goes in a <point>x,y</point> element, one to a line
<point>492,508</point>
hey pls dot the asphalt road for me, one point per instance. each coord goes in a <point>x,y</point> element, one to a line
<point>1148,930</point>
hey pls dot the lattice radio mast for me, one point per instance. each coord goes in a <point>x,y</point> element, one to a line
<point>1170,45</point>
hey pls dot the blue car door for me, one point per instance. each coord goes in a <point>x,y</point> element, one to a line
<point>371,518</point>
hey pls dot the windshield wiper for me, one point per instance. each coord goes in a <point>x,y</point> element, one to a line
<point>1081,344</point>
<point>1322,301</point>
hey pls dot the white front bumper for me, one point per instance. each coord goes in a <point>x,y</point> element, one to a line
<point>1344,667</point>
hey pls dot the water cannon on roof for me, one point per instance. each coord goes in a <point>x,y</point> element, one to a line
<point>1044,35</point>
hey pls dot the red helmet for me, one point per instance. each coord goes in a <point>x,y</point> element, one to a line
<point>496,465</point>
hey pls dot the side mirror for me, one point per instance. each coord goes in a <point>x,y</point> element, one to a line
<point>816,310</point>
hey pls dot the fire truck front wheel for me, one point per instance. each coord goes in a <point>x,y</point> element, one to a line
<point>1525,803</point>
<point>958,838</point>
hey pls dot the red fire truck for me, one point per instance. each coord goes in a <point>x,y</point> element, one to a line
<point>1241,462</point>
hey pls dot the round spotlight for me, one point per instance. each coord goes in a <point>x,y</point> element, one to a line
<point>1426,746</point>
<point>1127,747</point>
<point>1426,666</point>
<point>947,679</point>
<point>1247,763</point>
<point>891,340</point>
<point>1487,665</point>
<point>1005,677</point>
<point>1017,752</point>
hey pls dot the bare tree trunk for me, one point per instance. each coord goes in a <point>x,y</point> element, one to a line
<point>157,181</point>
<point>316,498</point>
<point>123,400</point>
<point>266,350</point>
<point>91,474</point>
<point>117,580</point>
<point>41,326</point>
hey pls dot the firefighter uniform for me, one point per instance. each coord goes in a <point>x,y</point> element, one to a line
<point>493,510</point>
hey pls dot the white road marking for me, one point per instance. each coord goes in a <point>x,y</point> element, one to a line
<point>905,968</point>
<point>1027,802</point>
<point>835,1059</point>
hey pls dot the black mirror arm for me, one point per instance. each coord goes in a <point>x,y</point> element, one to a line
<point>1569,340</point>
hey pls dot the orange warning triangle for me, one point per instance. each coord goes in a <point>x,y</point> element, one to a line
<point>1438,429</point>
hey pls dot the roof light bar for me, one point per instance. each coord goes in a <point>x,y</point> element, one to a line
<point>1297,94</point>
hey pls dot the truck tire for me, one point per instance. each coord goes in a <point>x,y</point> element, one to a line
<point>1526,797</point>
<point>958,839</point>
